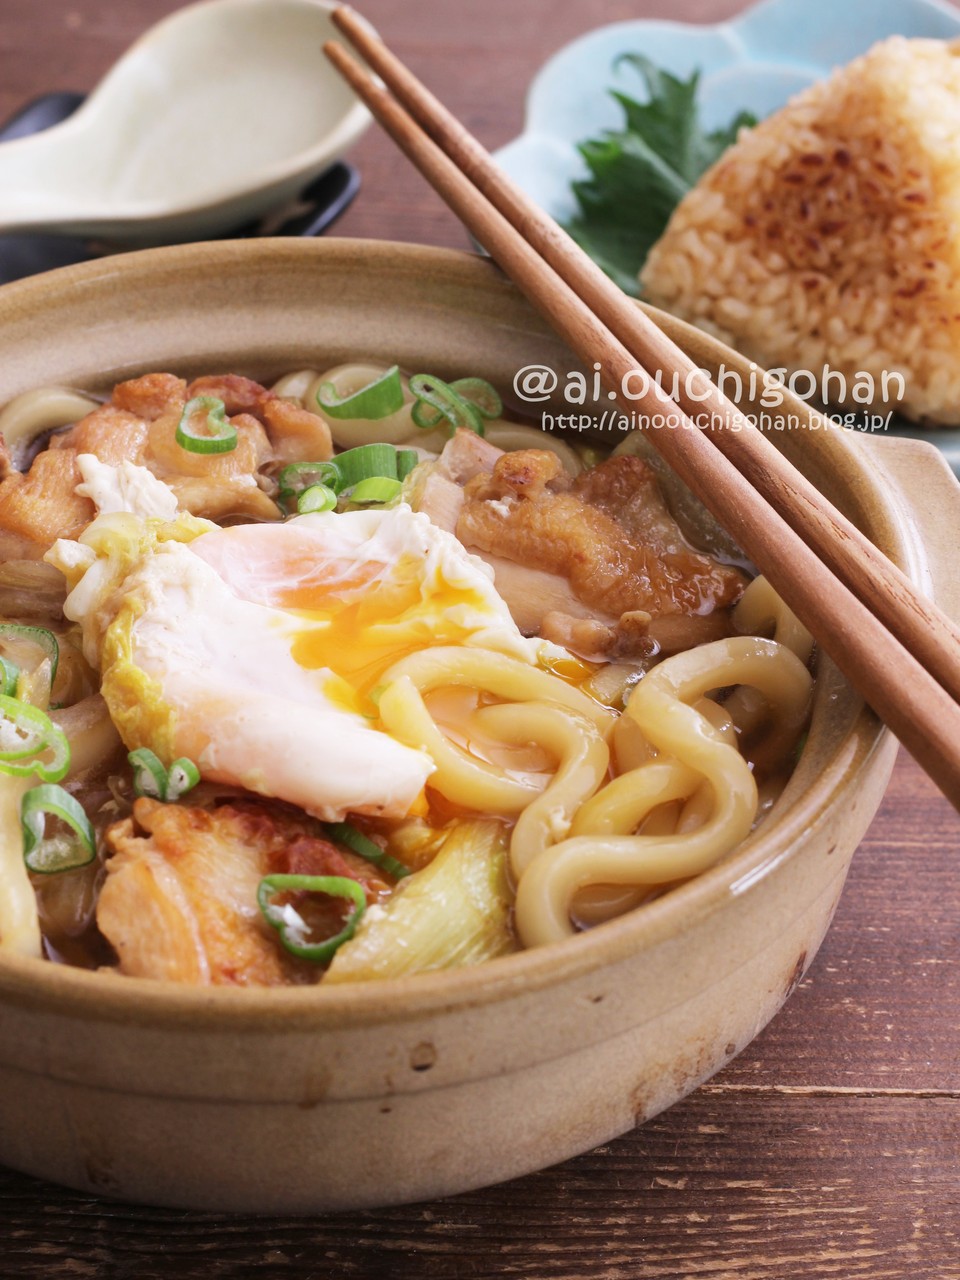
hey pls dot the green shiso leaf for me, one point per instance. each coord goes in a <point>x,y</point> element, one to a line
<point>639,174</point>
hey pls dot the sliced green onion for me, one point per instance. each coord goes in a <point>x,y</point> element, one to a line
<point>26,733</point>
<point>182,776</point>
<point>219,437</point>
<point>435,400</point>
<point>297,477</point>
<point>378,399</point>
<point>149,775</point>
<point>319,497</point>
<point>425,415</point>
<point>407,459</point>
<point>50,855</point>
<point>290,924</point>
<point>151,779</point>
<point>366,461</point>
<point>40,636</point>
<point>345,834</point>
<point>481,394</point>
<point>368,473</point>
<point>376,489</point>
<point>9,678</point>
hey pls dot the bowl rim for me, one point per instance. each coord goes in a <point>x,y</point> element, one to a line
<point>39,983</point>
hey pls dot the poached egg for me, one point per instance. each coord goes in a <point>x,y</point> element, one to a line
<point>258,650</point>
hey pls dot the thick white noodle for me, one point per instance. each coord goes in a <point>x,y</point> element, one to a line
<point>691,753</point>
<point>29,415</point>
<point>19,922</point>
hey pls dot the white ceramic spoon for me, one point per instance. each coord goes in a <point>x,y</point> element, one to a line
<point>218,114</point>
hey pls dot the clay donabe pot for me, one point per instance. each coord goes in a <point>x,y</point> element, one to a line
<point>303,1099</point>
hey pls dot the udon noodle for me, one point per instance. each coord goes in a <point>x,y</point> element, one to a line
<point>581,780</point>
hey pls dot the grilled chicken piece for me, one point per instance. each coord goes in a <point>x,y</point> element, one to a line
<point>596,563</point>
<point>533,594</point>
<point>441,498</point>
<point>212,485</point>
<point>239,394</point>
<point>110,432</point>
<point>180,900</point>
<point>41,506</point>
<point>296,434</point>
<point>139,423</point>
<point>468,455</point>
<point>608,532</point>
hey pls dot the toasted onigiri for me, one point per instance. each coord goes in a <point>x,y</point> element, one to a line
<point>828,236</point>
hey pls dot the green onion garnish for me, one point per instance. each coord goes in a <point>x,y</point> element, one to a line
<point>9,678</point>
<point>149,775</point>
<point>436,401</point>
<point>26,733</point>
<point>219,436</point>
<point>365,461</point>
<point>407,459</point>
<point>45,640</point>
<point>319,497</point>
<point>298,476</point>
<point>368,473</point>
<point>151,779</point>
<point>376,489</point>
<point>48,856</point>
<point>481,394</point>
<point>182,776</point>
<point>345,834</point>
<point>378,399</point>
<point>290,924</point>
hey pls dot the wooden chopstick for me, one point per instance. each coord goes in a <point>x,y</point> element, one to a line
<point>872,576</point>
<point>917,708</point>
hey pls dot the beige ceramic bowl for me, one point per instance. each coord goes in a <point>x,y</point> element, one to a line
<point>301,1100</point>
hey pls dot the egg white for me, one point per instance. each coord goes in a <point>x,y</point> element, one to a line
<point>255,650</point>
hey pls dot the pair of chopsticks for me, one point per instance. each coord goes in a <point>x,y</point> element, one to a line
<point>893,645</point>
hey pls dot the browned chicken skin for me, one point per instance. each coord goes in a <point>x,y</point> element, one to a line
<point>180,898</point>
<point>624,578</point>
<point>139,424</point>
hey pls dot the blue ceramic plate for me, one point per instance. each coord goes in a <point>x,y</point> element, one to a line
<point>755,62</point>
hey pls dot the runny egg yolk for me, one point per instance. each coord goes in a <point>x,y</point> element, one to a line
<point>257,650</point>
<point>396,613</point>
<point>369,588</point>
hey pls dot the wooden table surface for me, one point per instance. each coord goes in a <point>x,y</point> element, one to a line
<point>830,1148</point>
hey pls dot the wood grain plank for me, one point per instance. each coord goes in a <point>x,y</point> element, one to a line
<point>880,1008</point>
<point>822,1188</point>
<point>828,1149</point>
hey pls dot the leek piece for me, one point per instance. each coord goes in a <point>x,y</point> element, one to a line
<point>297,477</point>
<point>375,489</point>
<point>318,497</point>
<point>407,459</point>
<point>378,399</point>
<point>454,912</point>
<point>26,733</point>
<point>364,462</point>
<point>291,926</point>
<point>151,779</point>
<point>182,776</point>
<point>345,834</point>
<point>149,775</point>
<point>437,400</point>
<point>49,855</point>
<point>220,436</point>
<point>9,678</point>
<point>35,672</point>
<point>480,393</point>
